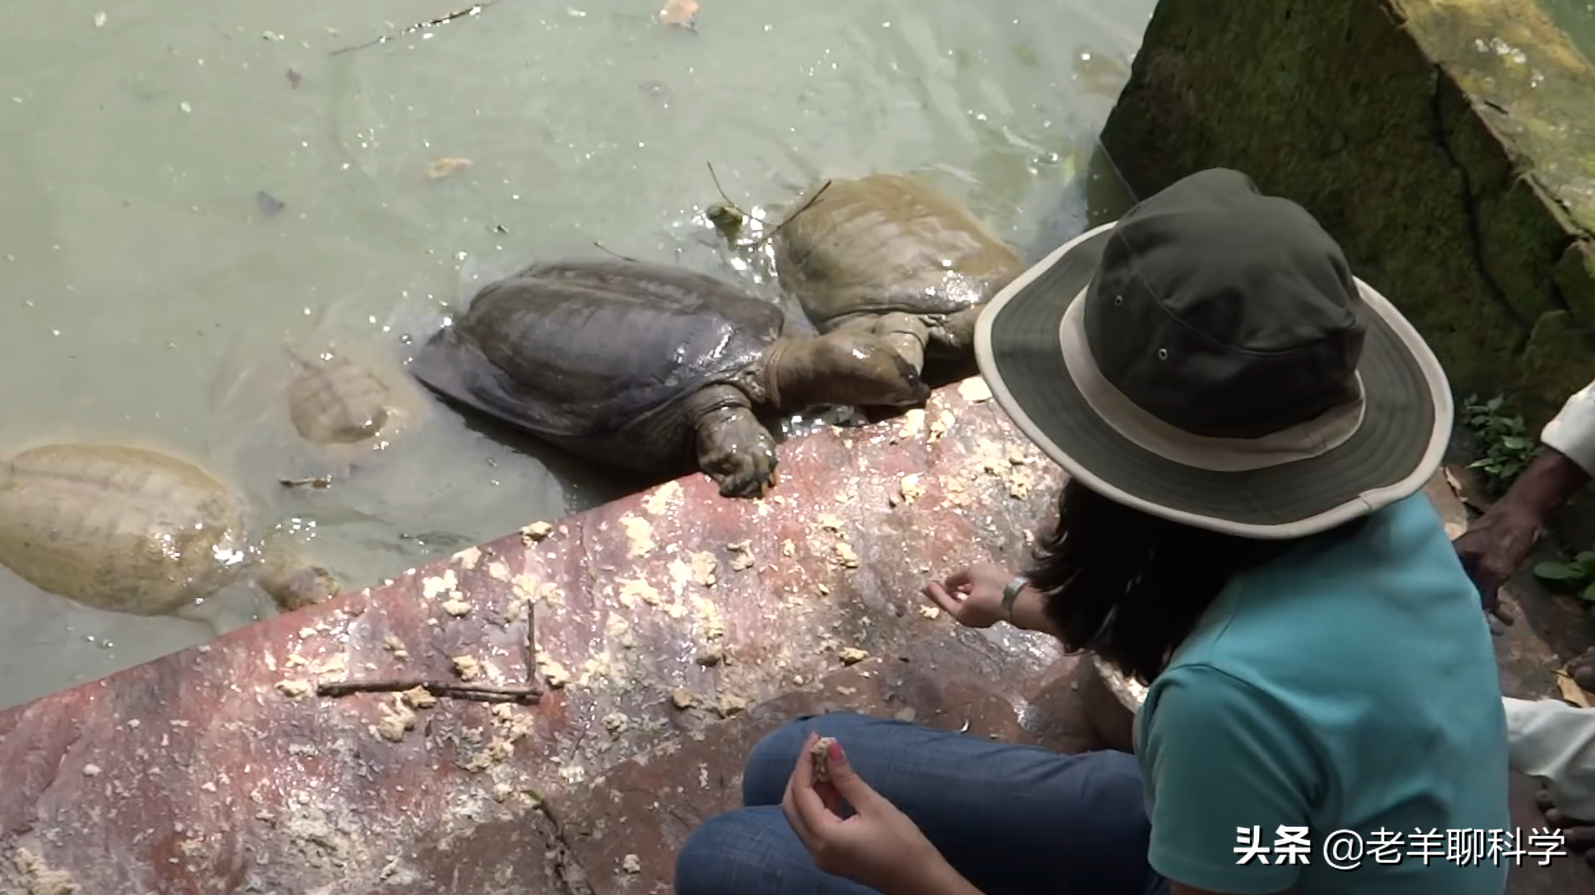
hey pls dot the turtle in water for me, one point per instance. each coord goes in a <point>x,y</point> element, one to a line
<point>649,366</point>
<point>887,254</point>
<point>346,408</point>
<point>136,531</point>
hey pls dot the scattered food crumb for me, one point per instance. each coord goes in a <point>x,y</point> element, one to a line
<point>467,668</point>
<point>741,555</point>
<point>396,721</point>
<point>704,567</point>
<point>845,557</point>
<point>913,423</point>
<point>635,589</point>
<point>822,590</point>
<point>439,584</point>
<point>632,863</point>
<point>457,607</point>
<point>682,698</point>
<point>852,655</point>
<point>443,167</point>
<point>418,698</point>
<point>788,548</point>
<point>468,558</point>
<point>1016,456</point>
<point>910,488</point>
<point>832,523</point>
<point>535,532</point>
<point>502,791</point>
<point>661,498</point>
<point>906,715</point>
<point>394,645</point>
<point>556,674</point>
<point>728,704</point>
<point>616,723</point>
<point>91,770</point>
<point>938,428</point>
<point>974,390</point>
<point>710,657</point>
<point>926,611</point>
<point>293,689</point>
<point>639,534</point>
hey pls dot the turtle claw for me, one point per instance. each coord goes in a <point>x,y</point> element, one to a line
<point>746,474</point>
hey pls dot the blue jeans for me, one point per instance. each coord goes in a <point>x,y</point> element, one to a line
<point>1014,820</point>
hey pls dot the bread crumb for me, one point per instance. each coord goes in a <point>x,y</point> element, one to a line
<point>535,532</point>
<point>467,668</point>
<point>457,607</point>
<point>91,770</point>
<point>820,752</point>
<point>631,864</point>
<point>682,698</point>
<point>741,555</point>
<point>293,689</point>
<point>852,655</point>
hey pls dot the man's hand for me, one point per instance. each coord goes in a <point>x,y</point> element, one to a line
<point>878,846</point>
<point>1494,546</point>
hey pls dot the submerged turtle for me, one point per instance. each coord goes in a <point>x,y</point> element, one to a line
<point>889,254</point>
<point>132,530</point>
<point>647,366</point>
<point>337,401</point>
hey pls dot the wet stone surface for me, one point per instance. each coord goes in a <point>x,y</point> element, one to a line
<point>218,769</point>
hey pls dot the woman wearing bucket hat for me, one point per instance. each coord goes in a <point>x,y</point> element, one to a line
<point>1247,428</point>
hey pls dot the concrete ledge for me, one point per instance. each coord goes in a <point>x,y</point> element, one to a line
<point>1447,144</point>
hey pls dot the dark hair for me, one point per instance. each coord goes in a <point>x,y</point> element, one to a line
<point>1130,586</point>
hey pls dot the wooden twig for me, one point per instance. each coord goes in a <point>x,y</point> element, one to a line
<point>721,190</point>
<point>604,248</point>
<point>440,689</point>
<point>419,26</point>
<point>318,482</point>
<point>791,217</point>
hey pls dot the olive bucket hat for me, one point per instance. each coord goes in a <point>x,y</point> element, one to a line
<point>1209,358</point>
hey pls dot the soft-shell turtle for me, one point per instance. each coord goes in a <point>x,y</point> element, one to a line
<point>891,254</point>
<point>132,530</point>
<point>646,365</point>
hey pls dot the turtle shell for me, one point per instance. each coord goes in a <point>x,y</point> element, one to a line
<point>118,528</point>
<point>887,242</point>
<point>584,349</point>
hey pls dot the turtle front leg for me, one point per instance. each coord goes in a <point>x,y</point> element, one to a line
<point>907,335</point>
<point>955,335</point>
<point>734,448</point>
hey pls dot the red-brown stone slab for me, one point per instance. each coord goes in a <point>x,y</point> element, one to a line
<point>198,773</point>
<point>625,831</point>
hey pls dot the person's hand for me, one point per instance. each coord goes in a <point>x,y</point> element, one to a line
<point>972,596</point>
<point>1494,547</point>
<point>878,846</point>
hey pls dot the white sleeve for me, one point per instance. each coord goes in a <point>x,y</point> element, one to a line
<point>1555,742</point>
<point>1572,432</point>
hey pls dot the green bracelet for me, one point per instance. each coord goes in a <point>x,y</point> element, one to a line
<point>1011,593</point>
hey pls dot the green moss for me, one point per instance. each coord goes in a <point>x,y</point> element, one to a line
<point>1376,115</point>
<point>1575,280</point>
<point>1556,363</point>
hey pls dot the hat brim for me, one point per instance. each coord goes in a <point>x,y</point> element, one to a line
<point>1405,428</point>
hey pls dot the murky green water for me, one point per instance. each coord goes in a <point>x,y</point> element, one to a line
<point>1577,18</point>
<point>152,279</point>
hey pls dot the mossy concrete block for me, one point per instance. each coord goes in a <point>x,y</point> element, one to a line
<point>1447,144</point>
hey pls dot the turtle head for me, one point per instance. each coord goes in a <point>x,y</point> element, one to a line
<point>299,587</point>
<point>845,368</point>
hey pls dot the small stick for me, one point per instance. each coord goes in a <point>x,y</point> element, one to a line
<point>604,248</point>
<point>318,482</point>
<point>419,26</point>
<point>440,689</point>
<point>721,190</point>
<point>791,217</point>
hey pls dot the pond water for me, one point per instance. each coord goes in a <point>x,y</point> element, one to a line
<point>1577,18</point>
<point>191,191</point>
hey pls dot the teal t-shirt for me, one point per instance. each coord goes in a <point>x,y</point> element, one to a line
<point>1349,684</point>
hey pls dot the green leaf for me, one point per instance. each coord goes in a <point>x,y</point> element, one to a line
<point>1586,558</point>
<point>1558,571</point>
<point>1587,594</point>
<point>1494,404</point>
<point>1514,442</point>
